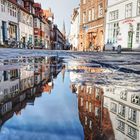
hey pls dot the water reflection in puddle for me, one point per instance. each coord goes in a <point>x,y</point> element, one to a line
<point>67,99</point>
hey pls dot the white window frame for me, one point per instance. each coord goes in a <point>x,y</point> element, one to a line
<point>128,10</point>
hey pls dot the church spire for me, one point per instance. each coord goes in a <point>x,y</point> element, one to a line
<point>64,29</point>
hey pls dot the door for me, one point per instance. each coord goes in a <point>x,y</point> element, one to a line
<point>130,39</point>
<point>4,31</point>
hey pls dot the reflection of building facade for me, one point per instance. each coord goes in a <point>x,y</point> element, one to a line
<point>9,87</point>
<point>94,118</point>
<point>20,86</point>
<point>107,111</point>
<point>123,105</point>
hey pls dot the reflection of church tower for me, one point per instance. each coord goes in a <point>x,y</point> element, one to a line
<point>63,73</point>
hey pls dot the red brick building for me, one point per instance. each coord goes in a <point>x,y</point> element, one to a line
<point>92,23</point>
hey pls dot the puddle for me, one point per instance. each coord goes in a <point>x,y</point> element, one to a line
<point>65,98</point>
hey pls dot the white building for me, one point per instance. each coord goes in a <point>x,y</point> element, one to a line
<point>123,24</point>
<point>26,30</point>
<point>8,21</point>
<point>75,28</point>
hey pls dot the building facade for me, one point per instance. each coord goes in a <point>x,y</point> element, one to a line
<point>26,24</point>
<point>123,24</point>
<point>75,28</point>
<point>58,39</point>
<point>26,29</point>
<point>8,20</point>
<point>92,22</point>
<point>43,20</point>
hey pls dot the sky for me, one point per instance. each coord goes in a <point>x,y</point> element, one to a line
<point>62,10</point>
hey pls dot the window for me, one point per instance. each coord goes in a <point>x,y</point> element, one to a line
<point>113,31</point>
<point>132,132</point>
<point>5,91</point>
<point>135,99</point>
<point>121,126</point>
<point>5,74</point>
<point>138,8</point>
<point>81,101</point>
<point>85,120</point>
<point>12,10</point>
<point>113,107</point>
<point>35,22</point>
<point>90,124</point>
<point>113,15</point>
<point>132,115</point>
<point>86,105</point>
<point>90,90</point>
<point>84,17</point>
<point>122,110</point>
<point>93,13</point>
<point>84,1</point>
<point>128,10</point>
<point>3,5</point>
<point>138,33</point>
<point>89,15</point>
<point>97,111</point>
<point>100,10</point>
<point>123,95</point>
<point>90,107</point>
<point>97,93</point>
<point>20,2</point>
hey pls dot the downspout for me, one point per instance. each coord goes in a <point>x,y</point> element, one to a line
<point>105,21</point>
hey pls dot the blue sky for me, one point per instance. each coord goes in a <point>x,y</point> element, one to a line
<point>62,10</point>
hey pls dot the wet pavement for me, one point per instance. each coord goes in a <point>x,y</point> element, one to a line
<point>59,95</point>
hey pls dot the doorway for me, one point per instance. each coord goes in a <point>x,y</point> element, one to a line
<point>4,31</point>
<point>130,39</point>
